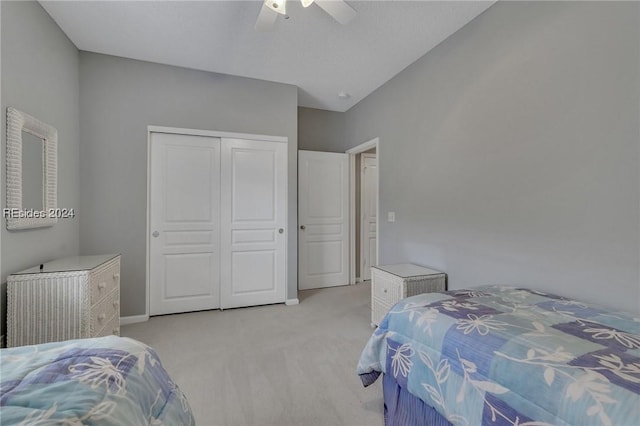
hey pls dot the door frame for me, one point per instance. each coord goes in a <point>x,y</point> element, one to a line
<point>366,146</point>
<point>361,219</point>
<point>192,132</point>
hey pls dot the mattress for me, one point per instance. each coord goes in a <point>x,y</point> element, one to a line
<point>504,355</point>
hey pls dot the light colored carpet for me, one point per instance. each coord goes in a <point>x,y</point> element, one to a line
<point>272,365</point>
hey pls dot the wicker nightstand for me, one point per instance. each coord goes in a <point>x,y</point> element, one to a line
<point>392,283</point>
<point>71,298</point>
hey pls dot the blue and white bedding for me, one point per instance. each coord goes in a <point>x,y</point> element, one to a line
<point>509,356</point>
<point>103,381</point>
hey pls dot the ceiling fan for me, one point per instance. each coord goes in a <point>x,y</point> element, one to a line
<point>338,9</point>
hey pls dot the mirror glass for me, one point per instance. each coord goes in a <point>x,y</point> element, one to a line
<point>32,150</point>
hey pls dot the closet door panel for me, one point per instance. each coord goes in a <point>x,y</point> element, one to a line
<point>184,223</point>
<point>253,227</point>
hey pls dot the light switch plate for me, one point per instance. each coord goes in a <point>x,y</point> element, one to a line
<point>391,217</point>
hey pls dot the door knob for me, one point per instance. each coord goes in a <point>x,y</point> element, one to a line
<point>303,227</point>
<point>281,231</point>
<point>155,234</point>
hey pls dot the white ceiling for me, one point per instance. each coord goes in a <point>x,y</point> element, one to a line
<point>310,50</point>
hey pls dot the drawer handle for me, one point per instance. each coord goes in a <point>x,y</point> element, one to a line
<point>101,286</point>
<point>385,290</point>
<point>101,317</point>
<point>116,276</point>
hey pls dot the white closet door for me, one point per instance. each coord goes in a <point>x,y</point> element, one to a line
<point>253,233</point>
<point>323,212</point>
<point>184,245</point>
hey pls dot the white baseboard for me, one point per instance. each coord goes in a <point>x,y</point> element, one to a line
<point>133,319</point>
<point>290,302</point>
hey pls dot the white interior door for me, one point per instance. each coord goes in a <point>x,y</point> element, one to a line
<point>253,238</point>
<point>368,209</point>
<point>184,246</point>
<point>323,215</point>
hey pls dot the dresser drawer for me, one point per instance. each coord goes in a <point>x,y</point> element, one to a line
<point>386,290</point>
<point>111,328</point>
<point>105,310</point>
<point>104,280</point>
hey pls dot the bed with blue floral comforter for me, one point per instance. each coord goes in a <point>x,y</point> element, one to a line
<point>104,381</point>
<point>509,356</point>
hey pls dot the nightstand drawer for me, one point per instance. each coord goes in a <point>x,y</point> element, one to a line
<point>385,289</point>
<point>378,310</point>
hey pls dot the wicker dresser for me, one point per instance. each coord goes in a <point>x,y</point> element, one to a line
<point>70,298</point>
<point>392,283</point>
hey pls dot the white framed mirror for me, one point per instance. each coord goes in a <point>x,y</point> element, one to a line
<point>32,172</point>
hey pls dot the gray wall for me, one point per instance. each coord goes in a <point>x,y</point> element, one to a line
<point>119,98</point>
<point>510,152</point>
<point>320,130</point>
<point>40,77</point>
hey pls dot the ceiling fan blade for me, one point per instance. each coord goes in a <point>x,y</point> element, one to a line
<point>266,19</point>
<point>338,9</point>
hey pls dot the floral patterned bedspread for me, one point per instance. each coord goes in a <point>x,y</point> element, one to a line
<point>511,356</point>
<point>103,381</point>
